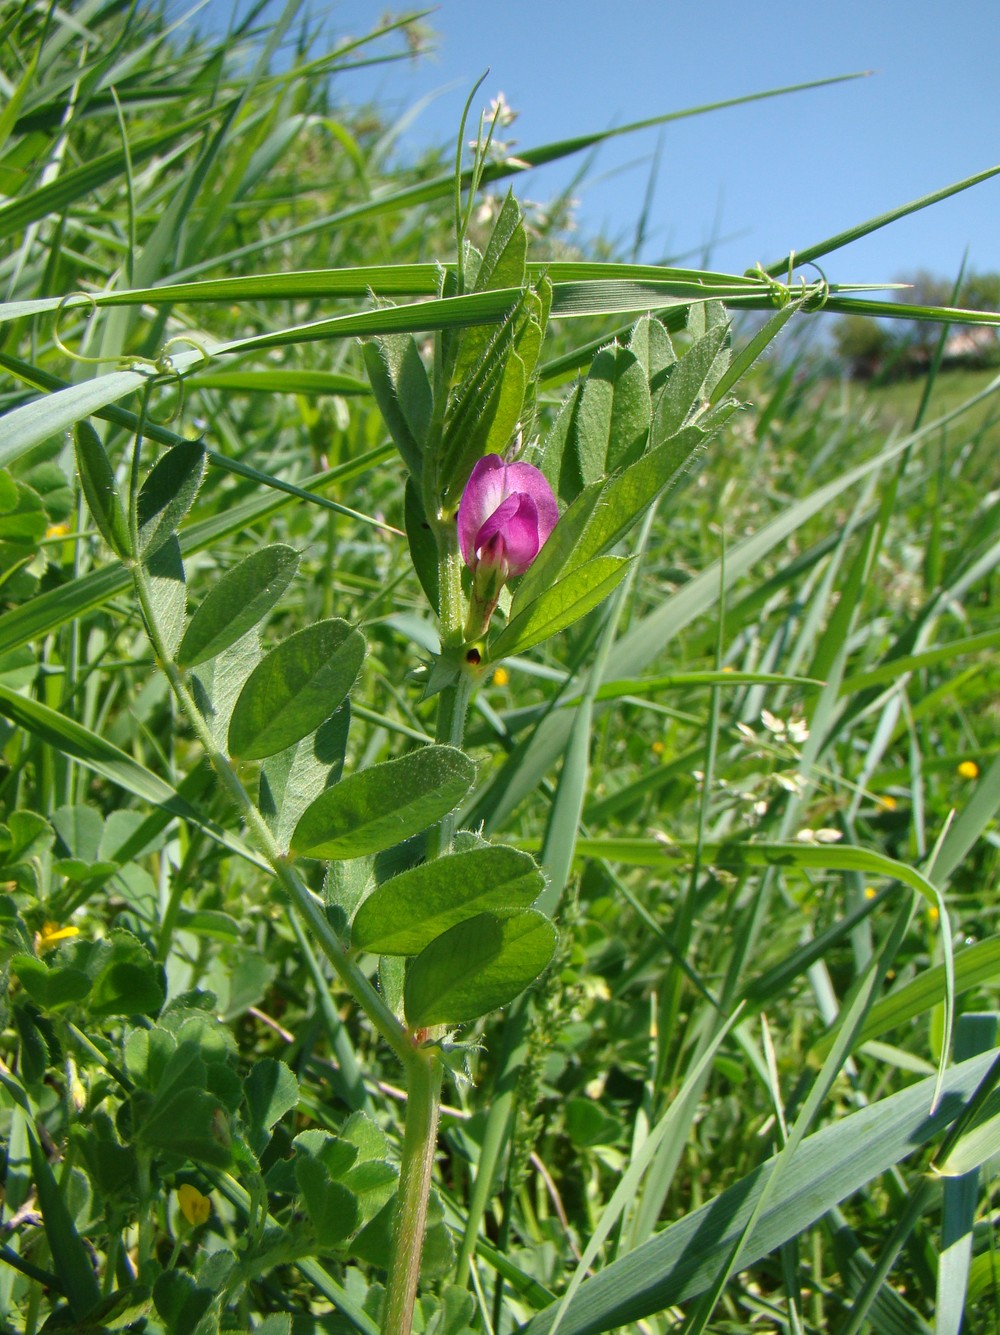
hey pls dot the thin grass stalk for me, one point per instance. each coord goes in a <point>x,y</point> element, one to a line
<point>351,1076</point>
<point>851,1019</point>
<point>657,1185</point>
<point>557,859</point>
<point>919,1201</point>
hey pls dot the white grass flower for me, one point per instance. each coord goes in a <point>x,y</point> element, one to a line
<point>798,730</point>
<point>501,111</point>
<point>821,836</point>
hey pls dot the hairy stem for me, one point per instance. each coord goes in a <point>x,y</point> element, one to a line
<point>425,1071</point>
<point>295,889</point>
<point>417,1164</point>
<point>453,706</point>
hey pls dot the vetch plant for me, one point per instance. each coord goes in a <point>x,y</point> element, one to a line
<point>234,1001</point>
<point>454,920</point>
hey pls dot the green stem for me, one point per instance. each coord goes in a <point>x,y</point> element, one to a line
<point>422,1065</point>
<point>32,1308</point>
<point>426,1069</point>
<point>170,917</point>
<point>452,603</point>
<point>295,889</point>
<point>424,1074</point>
<point>453,705</point>
<point>146,1228</point>
<point>353,1091</point>
<point>416,1165</point>
<point>111,1255</point>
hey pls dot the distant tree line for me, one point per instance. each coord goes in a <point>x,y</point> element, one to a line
<point>868,349</point>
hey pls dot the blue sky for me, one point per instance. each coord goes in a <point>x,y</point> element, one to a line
<point>737,186</point>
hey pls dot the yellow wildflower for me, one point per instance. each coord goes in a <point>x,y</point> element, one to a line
<point>194,1206</point>
<point>968,770</point>
<point>57,531</point>
<point>501,677</point>
<point>870,892</point>
<point>657,748</point>
<point>888,803</point>
<point>51,935</point>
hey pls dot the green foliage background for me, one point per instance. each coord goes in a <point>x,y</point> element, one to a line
<point>748,775</point>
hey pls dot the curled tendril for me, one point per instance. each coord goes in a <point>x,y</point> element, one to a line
<point>163,365</point>
<point>777,291</point>
<point>812,296</point>
<point>134,361</point>
<point>57,339</point>
<point>815,295</point>
<point>160,365</point>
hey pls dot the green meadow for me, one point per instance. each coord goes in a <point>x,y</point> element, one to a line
<point>499,749</point>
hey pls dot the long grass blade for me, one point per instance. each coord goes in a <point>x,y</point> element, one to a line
<point>832,1164</point>
<point>832,243</point>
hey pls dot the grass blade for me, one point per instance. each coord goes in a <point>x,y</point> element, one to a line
<point>820,248</point>
<point>832,1164</point>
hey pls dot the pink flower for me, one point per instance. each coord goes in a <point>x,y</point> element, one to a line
<point>506,513</point>
<point>505,516</point>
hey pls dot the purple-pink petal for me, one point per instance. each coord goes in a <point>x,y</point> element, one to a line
<point>506,513</point>
<point>528,480</point>
<point>483,493</point>
<point>515,522</point>
<point>497,522</point>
